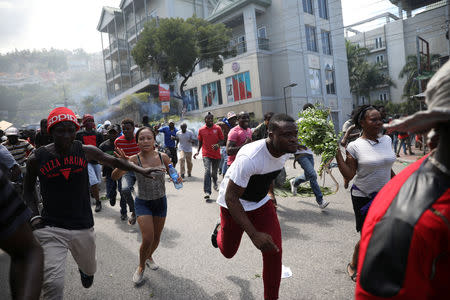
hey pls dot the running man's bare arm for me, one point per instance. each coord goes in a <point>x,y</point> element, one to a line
<point>232,149</point>
<point>93,153</point>
<point>29,185</point>
<point>261,240</point>
<point>200,144</point>
<point>27,262</point>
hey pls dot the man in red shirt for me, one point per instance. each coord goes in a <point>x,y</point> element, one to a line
<point>405,241</point>
<point>210,137</point>
<point>238,136</point>
<point>127,143</point>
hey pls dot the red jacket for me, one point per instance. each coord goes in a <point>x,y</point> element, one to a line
<point>405,242</point>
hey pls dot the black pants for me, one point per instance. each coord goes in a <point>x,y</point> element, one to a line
<point>173,155</point>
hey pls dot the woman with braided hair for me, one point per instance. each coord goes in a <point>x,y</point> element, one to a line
<point>370,158</point>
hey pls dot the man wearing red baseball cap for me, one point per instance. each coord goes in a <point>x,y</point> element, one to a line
<point>66,222</point>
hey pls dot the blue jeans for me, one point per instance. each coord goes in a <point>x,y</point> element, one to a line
<point>307,163</point>
<point>223,161</point>
<point>128,181</point>
<point>211,166</point>
<point>395,142</point>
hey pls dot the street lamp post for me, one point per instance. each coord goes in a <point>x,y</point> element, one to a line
<point>284,93</point>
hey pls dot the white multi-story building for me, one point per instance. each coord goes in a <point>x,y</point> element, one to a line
<point>391,43</point>
<point>289,52</point>
<point>279,44</point>
<point>120,29</point>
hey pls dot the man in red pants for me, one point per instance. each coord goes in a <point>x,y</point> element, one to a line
<point>405,241</point>
<point>247,202</point>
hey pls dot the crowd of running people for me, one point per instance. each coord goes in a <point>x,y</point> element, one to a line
<point>403,219</point>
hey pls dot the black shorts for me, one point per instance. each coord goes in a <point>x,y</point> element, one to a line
<point>358,203</point>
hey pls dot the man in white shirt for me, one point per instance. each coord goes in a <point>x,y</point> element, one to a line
<point>247,202</point>
<point>185,138</point>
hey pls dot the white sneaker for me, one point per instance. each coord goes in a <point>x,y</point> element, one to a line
<point>138,277</point>
<point>151,264</point>
<point>324,204</point>
<point>293,187</point>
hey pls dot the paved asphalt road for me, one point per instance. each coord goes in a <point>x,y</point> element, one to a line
<point>317,245</point>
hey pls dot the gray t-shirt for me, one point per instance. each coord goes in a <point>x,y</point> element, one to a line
<point>185,140</point>
<point>375,161</point>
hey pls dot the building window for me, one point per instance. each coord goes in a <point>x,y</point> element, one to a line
<point>314,81</point>
<point>380,59</point>
<point>326,42</point>
<point>263,41</point>
<point>308,6</point>
<point>330,82</point>
<point>383,97</point>
<point>241,46</point>
<point>212,94</point>
<point>239,87</point>
<point>323,9</point>
<point>378,43</point>
<point>311,41</point>
<point>190,101</point>
<point>363,100</point>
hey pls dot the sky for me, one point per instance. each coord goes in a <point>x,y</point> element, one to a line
<point>64,24</point>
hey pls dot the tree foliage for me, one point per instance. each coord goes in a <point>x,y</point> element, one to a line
<point>409,71</point>
<point>174,46</point>
<point>364,76</point>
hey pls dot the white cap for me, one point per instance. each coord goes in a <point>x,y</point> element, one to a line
<point>12,131</point>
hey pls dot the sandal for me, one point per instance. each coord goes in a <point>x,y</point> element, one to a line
<point>351,272</point>
<point>132,219</point>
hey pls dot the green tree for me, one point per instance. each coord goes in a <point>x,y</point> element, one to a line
<point>364,77</point>
<point>174,46</point>
<point>409,71</point>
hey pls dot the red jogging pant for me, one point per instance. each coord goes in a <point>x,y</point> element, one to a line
<point>265,220</point>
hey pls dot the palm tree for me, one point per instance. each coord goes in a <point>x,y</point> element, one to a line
<point>364,77</point>
<point>409,71</point>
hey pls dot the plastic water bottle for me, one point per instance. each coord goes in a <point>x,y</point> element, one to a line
<point>174,175</point>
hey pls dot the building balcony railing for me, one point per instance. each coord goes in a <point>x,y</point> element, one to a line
<point>263,43</point>
<point>375,47</point>
<point>139,26</point>
<point>120,44</point>
<point>123,70</point>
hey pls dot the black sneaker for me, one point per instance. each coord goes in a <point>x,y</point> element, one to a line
<point>214,235</point>
<point>182,175</point>
<point>98,206</point>
<point>86,280</point>
<point>123,217</point>
<point>112,201</point>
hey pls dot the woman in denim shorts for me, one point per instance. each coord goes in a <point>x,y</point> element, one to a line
<point>151,202</point>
